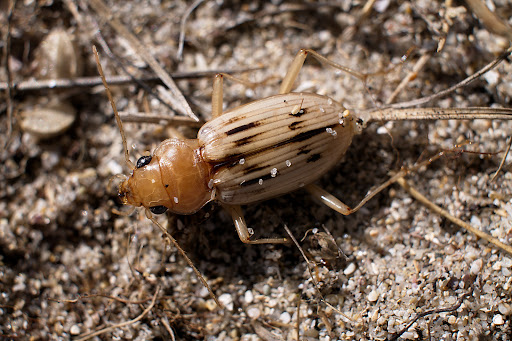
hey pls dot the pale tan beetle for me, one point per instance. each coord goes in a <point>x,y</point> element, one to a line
<point>261,150</point>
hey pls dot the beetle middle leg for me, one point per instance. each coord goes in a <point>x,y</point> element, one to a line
<point>243,231</point>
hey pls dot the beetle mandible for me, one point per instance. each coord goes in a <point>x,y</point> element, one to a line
<point>261,150</point>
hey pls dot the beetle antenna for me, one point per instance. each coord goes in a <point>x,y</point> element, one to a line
<point>182,252</point>
<point>113,104</point>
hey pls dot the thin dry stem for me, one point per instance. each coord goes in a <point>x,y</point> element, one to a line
<point>451,89</point>
<point>102,10</point>
<point>183,23</point>
<point>429,312</point>
<point>421,198</point>
<point>502,163</point>
<point>89,82</point>
<point>410,76</point>
<point>7,64</point>
<point>141,117</point>
<point>123,324</point>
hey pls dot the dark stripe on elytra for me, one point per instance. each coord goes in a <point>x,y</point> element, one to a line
<point>256,180</point>
<point>245,140</point>
<point>294,125</point>
<point>253,168</point>
<point>241,128</point>
<point>303,136</point>
<point>304,151</point>
<point>313,158</point>
<point>295,139</point>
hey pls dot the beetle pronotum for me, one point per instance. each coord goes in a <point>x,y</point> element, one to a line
<point>260,150</point>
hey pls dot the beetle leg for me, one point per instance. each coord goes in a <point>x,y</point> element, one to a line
<point>243,232</point>
<point>329,199</point>
<point>298,62</point>
<point>293,72</point>
<point>217,95</point>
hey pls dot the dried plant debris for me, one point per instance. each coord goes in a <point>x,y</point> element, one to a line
<point>57,57</point>
<point>70,267</point>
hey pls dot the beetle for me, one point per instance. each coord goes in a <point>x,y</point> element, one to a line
<point>261,150</point>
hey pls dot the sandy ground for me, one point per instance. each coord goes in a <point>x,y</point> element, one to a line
<point>69,266</point>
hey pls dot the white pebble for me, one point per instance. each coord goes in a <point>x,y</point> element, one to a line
<point>350,269</point>
<point>75,330</point>
<point>254,312</point>
<point>498,320</point>
<point>476,266</point>
<point>285,317</point>
<point>227,301</point>
<point>249,296</point>
<point>452,319</point>
<point>373,296</point>
<point>496,266</point>
<point>504,308</point>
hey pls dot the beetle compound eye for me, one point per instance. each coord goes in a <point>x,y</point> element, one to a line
<point>143,160</point>
<point>156,209</point>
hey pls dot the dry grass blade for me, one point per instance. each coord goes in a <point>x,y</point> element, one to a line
<point>88,82</point>
<point>183,106</point>
<point>7,65</point>
<point>492,21</point>
<point>421,198</point>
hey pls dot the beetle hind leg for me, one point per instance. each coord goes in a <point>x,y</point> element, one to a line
<point>244,232</point>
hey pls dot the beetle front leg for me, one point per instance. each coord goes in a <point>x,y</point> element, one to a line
<point>243,231</point>
<point>218,94</point>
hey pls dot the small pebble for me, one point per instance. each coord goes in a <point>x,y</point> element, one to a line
<point>373,296</point>
<point>248,296</point>
<point>285,317</point>
<point>498,320</point>
<point>211,305</point>
<point>476,266</point>
<point>75,330</point>
<point>227,300</point>
<point>504,308</point>
<point>350,269</point>
<point>254,312</point>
